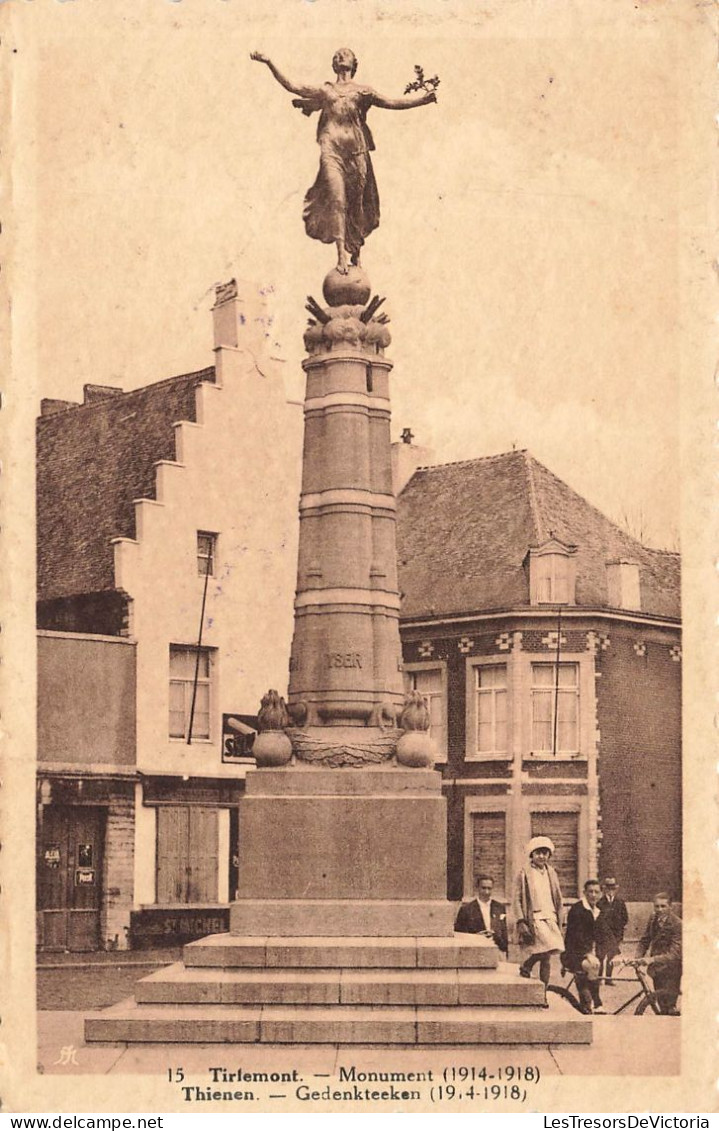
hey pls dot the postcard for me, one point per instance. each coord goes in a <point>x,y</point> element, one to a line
<point>359,536</point>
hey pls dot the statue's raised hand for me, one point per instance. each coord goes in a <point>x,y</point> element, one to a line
<point>258,57</point>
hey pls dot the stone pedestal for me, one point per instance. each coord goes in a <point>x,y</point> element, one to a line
<point>342,852</point>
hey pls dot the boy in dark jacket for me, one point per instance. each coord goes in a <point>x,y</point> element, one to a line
<point>580,946</point>
<point>612,926</point>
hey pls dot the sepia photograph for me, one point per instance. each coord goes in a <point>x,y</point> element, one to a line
<point>358,542</point>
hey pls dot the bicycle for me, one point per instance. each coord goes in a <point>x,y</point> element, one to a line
<point>645,997</point>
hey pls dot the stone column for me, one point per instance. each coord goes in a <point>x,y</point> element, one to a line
<point>343,827</point>
<point>346,654</point>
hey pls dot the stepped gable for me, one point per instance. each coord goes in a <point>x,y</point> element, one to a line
<point>93,460</point>
<point>464,529</point>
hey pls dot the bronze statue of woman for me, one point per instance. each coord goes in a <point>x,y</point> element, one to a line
<point>342,207</point>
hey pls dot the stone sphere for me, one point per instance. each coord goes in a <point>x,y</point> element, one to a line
<point>352,289</point>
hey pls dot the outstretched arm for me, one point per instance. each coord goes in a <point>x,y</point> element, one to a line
<point>407,102</point>
<point>303,91</point>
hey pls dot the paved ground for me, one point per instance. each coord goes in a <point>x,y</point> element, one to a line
<point>74,981</point>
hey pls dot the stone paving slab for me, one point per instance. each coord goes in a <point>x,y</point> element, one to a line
<point>407,986</point>
<point>341,1024</point>
<point>487,1026</point>
<point>231,987</point>
<point>226,951</point>
<point>654,1044</point>
<point>626,1046</point>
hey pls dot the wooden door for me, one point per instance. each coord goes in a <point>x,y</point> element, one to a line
<point>187,849</point>
<point>70,877</point>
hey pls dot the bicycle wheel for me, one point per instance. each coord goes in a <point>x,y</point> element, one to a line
<point>650,1004</point>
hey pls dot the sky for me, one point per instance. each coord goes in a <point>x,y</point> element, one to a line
<point>536,223</point>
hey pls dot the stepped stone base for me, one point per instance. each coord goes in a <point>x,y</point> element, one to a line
<point>328,990</point>
<point>228,951</point>
<point>351,1025</point>
<point>196,985</point>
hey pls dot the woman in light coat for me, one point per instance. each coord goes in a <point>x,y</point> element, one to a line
<point>537,907</point>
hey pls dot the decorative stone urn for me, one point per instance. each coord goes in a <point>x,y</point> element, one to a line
<point>415,748</point>
<point>272,747</point>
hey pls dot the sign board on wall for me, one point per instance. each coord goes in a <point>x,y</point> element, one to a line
<point>238,736</point>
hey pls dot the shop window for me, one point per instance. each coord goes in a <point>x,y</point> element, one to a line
<point>190,680</point>
<point>187,854</point>
<point>555,709</point>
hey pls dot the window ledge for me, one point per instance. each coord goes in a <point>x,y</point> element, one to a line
<point>195,742</point>
<point>205,905</point>
<point>505,757</point>
<point>547,757</point>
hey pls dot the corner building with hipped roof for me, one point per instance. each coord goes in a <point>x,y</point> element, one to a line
<point>548,642</point>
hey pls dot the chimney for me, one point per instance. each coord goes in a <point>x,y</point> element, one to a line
<point>623,588</point>
<point>241,317</point>
<point>49,406</point>
<point>406,458</point>
<point>94,393</point>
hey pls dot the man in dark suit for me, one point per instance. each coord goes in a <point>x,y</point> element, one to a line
<point>661,943</point>
<point>484,915</point>
<point>611,927</point>
<point>580,946</point>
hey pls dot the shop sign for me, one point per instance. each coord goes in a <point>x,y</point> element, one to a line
<point>238,736</point>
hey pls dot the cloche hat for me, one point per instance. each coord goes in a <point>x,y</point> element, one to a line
<point>540,842</point>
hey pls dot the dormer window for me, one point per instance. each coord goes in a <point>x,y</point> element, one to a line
<point>552,573</point>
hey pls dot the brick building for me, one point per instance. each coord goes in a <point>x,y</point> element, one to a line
<point>159,510</point>
<point>548,641</point>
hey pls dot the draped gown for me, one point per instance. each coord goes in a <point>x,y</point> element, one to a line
<point>343,203</point>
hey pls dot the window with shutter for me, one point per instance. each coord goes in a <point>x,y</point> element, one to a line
<point>491,709</point>
<point>188,671</point>
<point>555,709</point>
